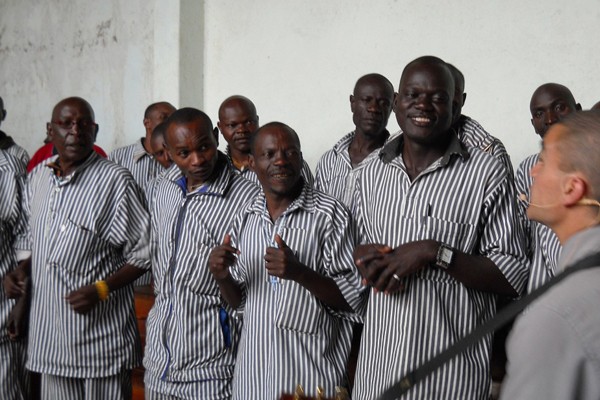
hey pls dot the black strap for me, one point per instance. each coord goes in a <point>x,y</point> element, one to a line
<point>502,318</point>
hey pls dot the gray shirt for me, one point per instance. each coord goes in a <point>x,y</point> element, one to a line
<point>554,348</point>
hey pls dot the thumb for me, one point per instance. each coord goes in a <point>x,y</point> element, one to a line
<point>280,243</point>
<point>227,239</point>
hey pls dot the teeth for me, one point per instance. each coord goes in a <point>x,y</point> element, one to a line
<point>421,119</point>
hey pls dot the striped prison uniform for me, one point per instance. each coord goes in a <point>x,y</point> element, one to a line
<point>464,200</point>
<point>13,226</point>
<point>289,336</point>
<point>187,353</point>
<point>83,228</point>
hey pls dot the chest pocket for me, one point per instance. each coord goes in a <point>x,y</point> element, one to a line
<point>299,310</point>
<point>75,246</point>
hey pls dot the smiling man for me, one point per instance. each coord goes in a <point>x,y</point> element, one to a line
<point>436,222</point>
<point>192,338</point>
<point>288,265</point>
<point>237,122</point>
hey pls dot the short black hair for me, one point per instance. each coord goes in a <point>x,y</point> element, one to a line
<point>152,106</point>
<point>185,116</point>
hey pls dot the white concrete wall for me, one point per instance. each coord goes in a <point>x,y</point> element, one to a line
<point>120,55</point>
<point>298,60</point>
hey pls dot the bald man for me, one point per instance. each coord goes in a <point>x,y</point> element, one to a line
<point>7,143</point>
<point>89,240</point>
<point>237,122</point>
<point>436,218</point>
<point>550,103</point>
<point>371,106</point>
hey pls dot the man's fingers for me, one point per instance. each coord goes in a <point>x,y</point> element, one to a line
<point>280,243</point>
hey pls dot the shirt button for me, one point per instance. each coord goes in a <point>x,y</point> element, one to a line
<point>63,228</point>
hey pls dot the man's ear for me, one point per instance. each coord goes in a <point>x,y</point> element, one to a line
<point>464,99</point>
<point>575,188</point>
<point>216,134</point>
<point>146,123</point>
<point>351,98</point>
<point>251,162</point>
<point>395,101</point>
<point>96,132</point>
<point>578,107</point>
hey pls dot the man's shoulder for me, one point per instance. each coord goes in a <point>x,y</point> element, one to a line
<point>528,162</point>
<point>124,152</point>
<point>9,162</point>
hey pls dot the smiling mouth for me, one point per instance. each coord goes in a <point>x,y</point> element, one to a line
<point>421,120</point>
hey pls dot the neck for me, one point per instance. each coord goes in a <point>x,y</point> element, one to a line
<point>362,145</point>
<point>238,158</point>
<point>418,157</point>
<point>277,203</point>
<point>146,143</point>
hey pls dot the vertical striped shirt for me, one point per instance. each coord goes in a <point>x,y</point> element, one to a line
<point>13,224</point>
<point>465,200</point>
<point>144,168</point>
<point>471,133</point>
<point>289,336</point>
<point>83,228</point>
<point>185,339</point>
<point>8,144</point>
<point>543,247</point>
<point>335,174</point>
<point>142,165</point>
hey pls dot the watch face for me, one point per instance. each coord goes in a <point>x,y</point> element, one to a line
<point>446,256</point>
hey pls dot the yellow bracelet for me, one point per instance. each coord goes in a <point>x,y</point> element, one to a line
<point>102,289</point>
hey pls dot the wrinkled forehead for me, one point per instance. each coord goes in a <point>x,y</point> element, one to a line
<point>73,107</point>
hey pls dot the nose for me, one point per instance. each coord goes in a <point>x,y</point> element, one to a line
<point>197,159</point>
<point>281,158</point>
<point>423,102</point>
<point>551,117</point>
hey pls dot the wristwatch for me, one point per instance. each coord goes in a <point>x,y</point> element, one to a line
<point>444,257</point>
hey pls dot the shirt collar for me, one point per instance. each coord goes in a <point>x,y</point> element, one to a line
<point>394,148</point>
<point>56,169</point>
<point>139,151</point>
<point>305,201</point>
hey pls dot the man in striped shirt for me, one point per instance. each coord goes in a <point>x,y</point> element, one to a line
<point>137,157</point>
<point>237,122</point>
<point>549,104</point>
<point>13,225</point>
<point>89,237</point>
<point>191,336</point>
<point>288,264</point>
<point>7,143</point>
<point>371,106</point>
<point>437,221</point>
